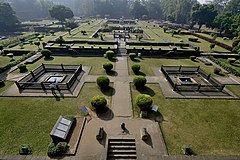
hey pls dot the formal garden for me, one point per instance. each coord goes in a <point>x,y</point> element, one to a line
<point>80,72</point>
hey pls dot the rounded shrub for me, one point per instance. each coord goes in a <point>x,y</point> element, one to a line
<point>132,56</point>
<point>139,81</point>
<point>103,82</point>
<point>22,68</point>
<point>136,68</point>
<point>217,70</point>
<point>110,54</point>
<point>231,60</point>
<point>46,53</point>
<point>25,149</point>
<point>99,103</point>
<point>192,38</point>
<point>144,102</point>
<point>108,66</point>
<point>57,149</point>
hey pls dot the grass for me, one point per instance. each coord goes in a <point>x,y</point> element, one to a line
<point>235,89</point>
<point>235,65</point>
<point>148,63</point>
<point>210,126</point>
<point>4,60</point>
<point>95,62</point>
<point>219,39</point>
<point>7,85</point>
<point>30,120</point>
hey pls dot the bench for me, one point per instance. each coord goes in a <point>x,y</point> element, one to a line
<point>100,134</point>
<point>144,134</point>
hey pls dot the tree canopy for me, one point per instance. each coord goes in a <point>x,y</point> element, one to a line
<point>61,12</point>
<point>8,19</point>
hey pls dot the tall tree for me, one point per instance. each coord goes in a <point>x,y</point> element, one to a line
<point>8,19</point>
<point>204,14</point>
<point>138,9</point>
<point>61,12</point>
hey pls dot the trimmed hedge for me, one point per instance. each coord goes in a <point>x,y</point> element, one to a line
<point>110,54</point>
<point>57,149</point>
<point>193,58</point>
<point>108,66</point>
<point>46,53</point>
<point>139,82</point>
<point>144,102</point>
<point>103,82</point>
<point>226,66</point>
<point>99,103</point>
<point>193,39</point>
<point>132,56</point>
<point>2,83</point>
<point>217,70</point>
<point>136,68</point>
<point>22,68</point>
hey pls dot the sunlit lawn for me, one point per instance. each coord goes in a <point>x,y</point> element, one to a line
<point>30,120</point>
<point>4,60</point>
<point>94,62</point>
<point>220,39</point>
<point>148,63</point>
<point>210,126</point>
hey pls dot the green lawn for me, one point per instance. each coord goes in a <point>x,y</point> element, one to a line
<point>95,62</point>
<point>235,65</point>
<point>30,120</point>
<point>210,126</point>
<point>7,85</point>
<point>219,39</point>
<point>4,60</point>
<point>148,63</point>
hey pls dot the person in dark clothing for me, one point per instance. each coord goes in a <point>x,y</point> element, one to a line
<point>123,127</point>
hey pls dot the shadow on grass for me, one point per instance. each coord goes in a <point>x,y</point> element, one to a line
<point>112,73</point>
<point>110,91</point>
<point>135,60</point>
<point>24,71</point>
<point>147,90</point>
<point>49,59</point>
<point>139,73</point>
<point>155,116</point>
<point>113,60</point>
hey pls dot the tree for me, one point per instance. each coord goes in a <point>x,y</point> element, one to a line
<point>61,12</point>
<point>60,40</point>
<point>204,14</point>
<point>11,55</point>
<point>37,44</point>
<point>68,30</point>
<point>138,10</point>
<point>46,53</point>
<point>8,19</point>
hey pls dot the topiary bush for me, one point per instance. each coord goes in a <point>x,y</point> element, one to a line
<point>139,82</point>
<point>57,149</point>
<point>46,53</point>
<point>193,39</point>
<point>212,45</point>
<point>231,60</point>
<point>217,70</point>
<point>103,82</point>
<point>110,54</point>
<point>99,103</point>
<point>22,68</point>
<point>132,56</point>
<point>108,66</point>
<point>136,68</point>
<point>144,102</point>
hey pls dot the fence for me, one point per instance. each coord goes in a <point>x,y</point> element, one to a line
<point>214,85</point>
<point>29,81</point>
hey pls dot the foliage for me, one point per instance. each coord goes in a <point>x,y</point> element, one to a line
<point>187,149</point>
<point>57,149</point>
<point>8,19</point>
<point>103,82</point>
<point>25,149</point>
<point>37,44</point>
<point>136,68</point>
<point>204,14</point>
<point>71,24</point>
<point>22,68</point>
<point>139,82</point>
<point>61,12</point>
<point>52,32</point>
<point>226,66</point>
<point>231,60</point>
<point>83,32</point>
<point>108,66</point>
<point>132,56</point>
<point>236,45</point>
<point>110,54</point>
<point>98,102</point>
<point>46,53</point>
<point>193,39</point>
<point>10,55</point>
<point>144,102</point>
<point>138,10</point>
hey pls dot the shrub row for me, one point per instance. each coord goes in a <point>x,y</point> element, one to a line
<point>226,66</point>
<point>214,41</point>
<point>8,66</point>
<point>57,149</point>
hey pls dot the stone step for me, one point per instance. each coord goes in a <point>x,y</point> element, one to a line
<point>123,147</point>
<point>122,156</point>
<point>116,151</point>
<point>120,140</point>
<point>122,143</point>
